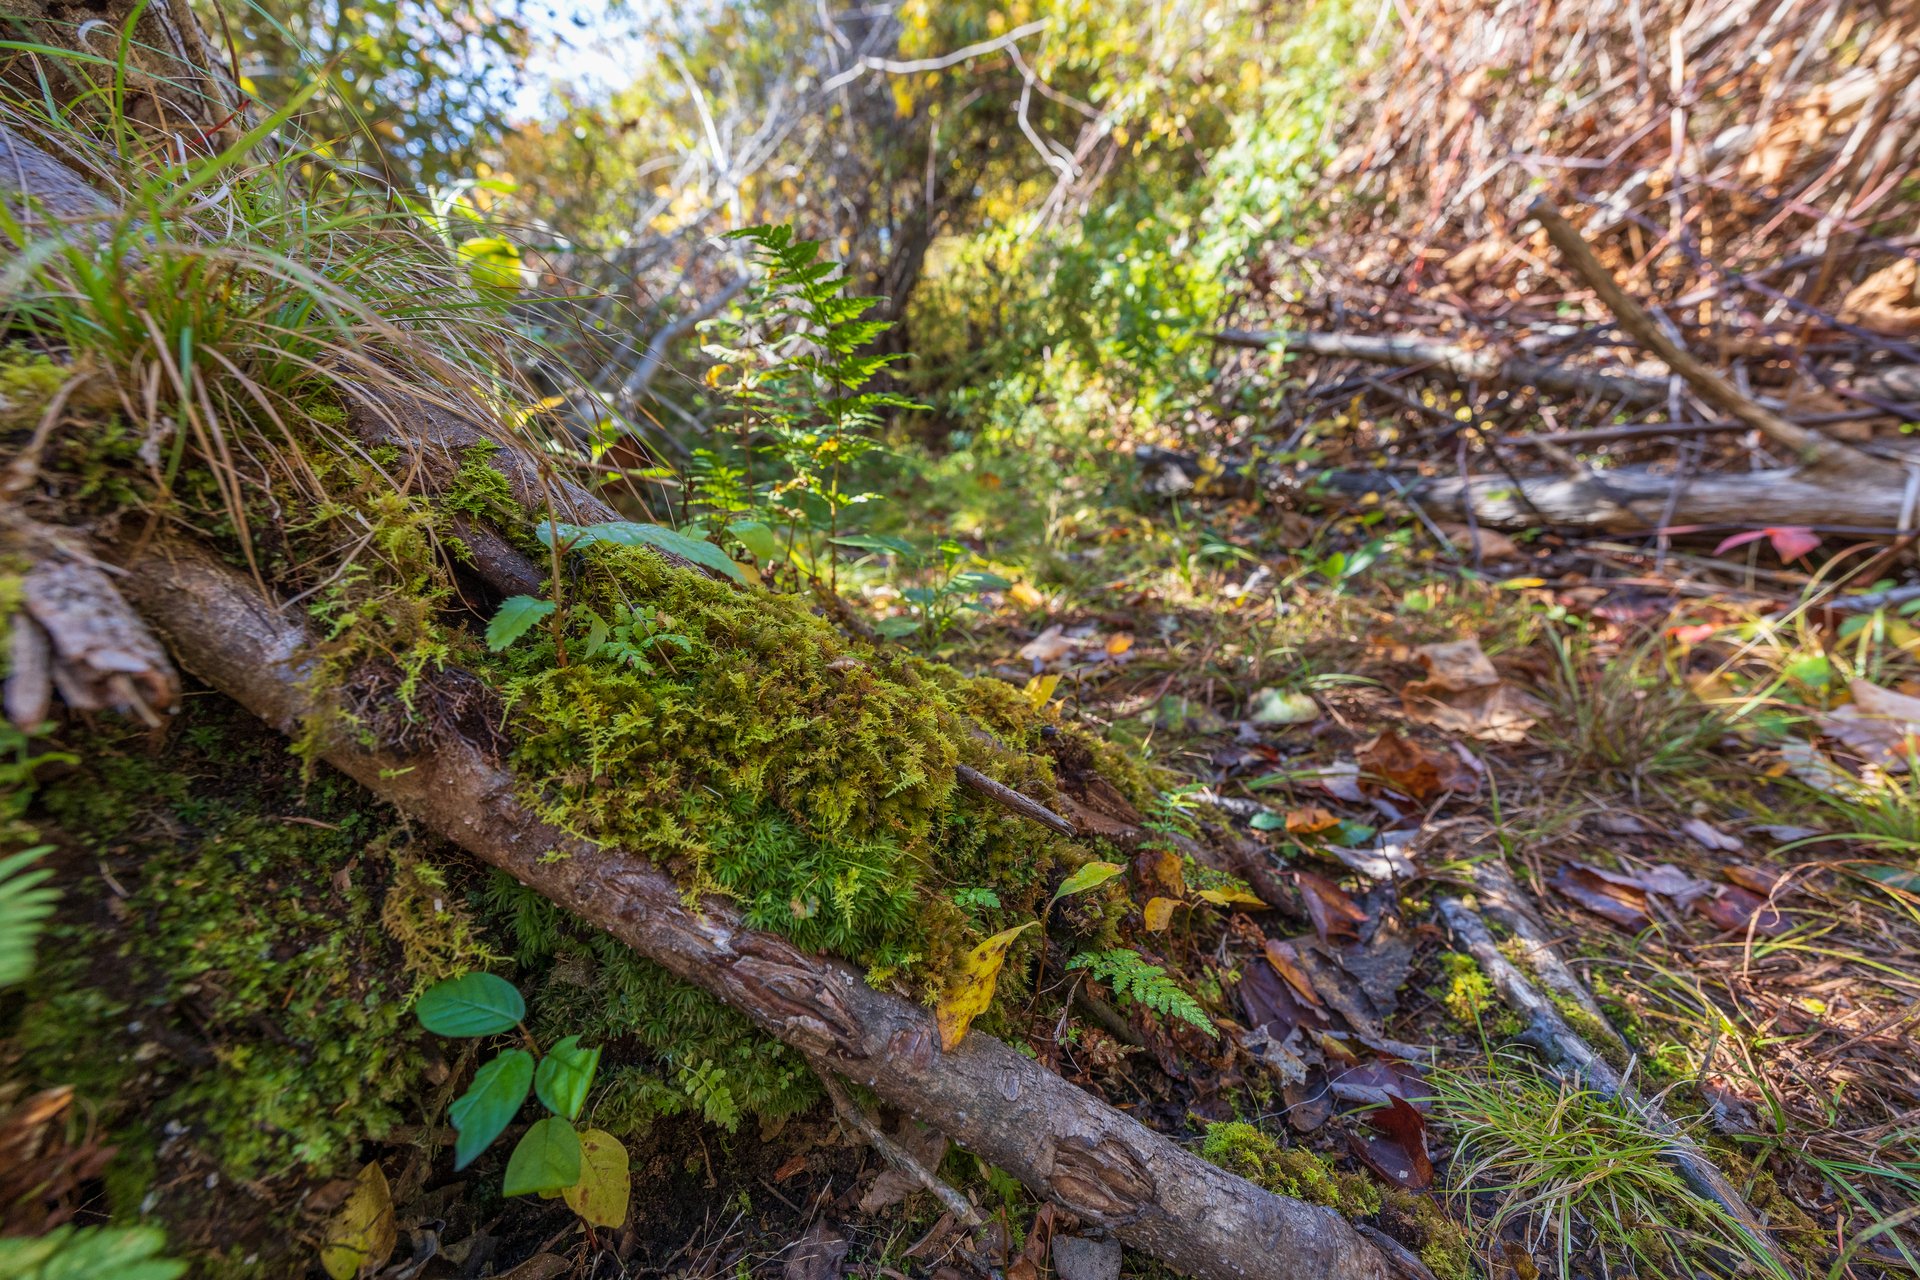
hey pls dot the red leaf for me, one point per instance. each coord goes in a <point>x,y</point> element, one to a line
<point>1790,542</point>
<point>1329,907</point>
<point>1624,904</point>
<point>1793,541</point>
<point>1401,1155</point>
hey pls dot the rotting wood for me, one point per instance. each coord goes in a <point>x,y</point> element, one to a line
<point>1454,360</point>
<point>1068,1146</point>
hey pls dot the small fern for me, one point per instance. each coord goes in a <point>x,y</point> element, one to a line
<point>706,1086</point>
<point>1133,979</point>
<point>25,903</point>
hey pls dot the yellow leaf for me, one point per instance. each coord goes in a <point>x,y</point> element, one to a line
<point>1159,913</point>
<point>715,373</point>
<point>600,1196</point>
<point>1522,584</point>
<point>1025,596</point>
<point>1039,689</point>
<point>968,999</point>
<point>1119,643</point>
<point>361,1235</point>
<point>1231,898</point>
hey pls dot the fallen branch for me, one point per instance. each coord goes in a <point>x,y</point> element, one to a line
<point>1568,1053</point>
<point>1639,500</point>
<point>1462,363</point>
<point>1072,1148</point>
<point>1810,447</point>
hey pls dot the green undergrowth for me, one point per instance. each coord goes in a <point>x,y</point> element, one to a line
<point>781,763</point>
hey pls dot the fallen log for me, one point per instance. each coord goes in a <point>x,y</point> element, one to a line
<point>1568,1053</point>
<point>1461,363</point>
<point>1641,500</point>
<point>1063,1143</point>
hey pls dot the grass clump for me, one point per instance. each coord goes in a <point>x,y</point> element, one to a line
<point>1630,721</point>
<point>1582,1173</point>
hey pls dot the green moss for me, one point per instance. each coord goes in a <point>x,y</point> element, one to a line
<point>241,985</point>
<point>1469,998</point>
<point>28,380</point>
<point>1289,1171</point>
<point>776,761</point>
<point>1440,1241</point>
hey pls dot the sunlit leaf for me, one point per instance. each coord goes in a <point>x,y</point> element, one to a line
<point>1159,913</point>
<point>966,1000</point>
<point>1090,876</point>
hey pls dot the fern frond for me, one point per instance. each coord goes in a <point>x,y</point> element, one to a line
<point>25,903</point>
<point>1134,980</point>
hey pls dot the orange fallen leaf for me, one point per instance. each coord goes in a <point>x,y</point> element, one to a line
<point>1285,960</point>
<point>1307,821</point>
<point>1412,769</point>
<point>1119,643</point>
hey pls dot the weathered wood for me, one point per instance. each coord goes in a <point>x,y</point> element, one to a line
<point>1639,500</point>
<point>1066,1145</point>
<point>1568,1053</point>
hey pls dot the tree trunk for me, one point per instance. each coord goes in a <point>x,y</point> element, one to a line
<point>1066,1145</point>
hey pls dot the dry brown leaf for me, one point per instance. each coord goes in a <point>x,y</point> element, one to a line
<point>1623,904</point>
<point>1050,645</point>
<point>1739,911</point>
<point>1879,724</point>
<point>1307,821</point>
<point>1158,874</point>
<point>1333,913</point>
<point>1285,959</point>
<point>1414,770</point>
<point>1888,301</point>
<point>1464,694</point>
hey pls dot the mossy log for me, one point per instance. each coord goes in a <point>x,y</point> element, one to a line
<point>1065,1144</point>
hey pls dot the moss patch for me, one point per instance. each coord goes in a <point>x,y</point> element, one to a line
<point>1289,1171</point>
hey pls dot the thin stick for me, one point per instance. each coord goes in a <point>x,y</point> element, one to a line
<point>1006,796</point>
<point>896,1155</point>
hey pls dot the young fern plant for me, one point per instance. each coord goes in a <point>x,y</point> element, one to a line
<point>797,372</point>
<point>1135,981</point>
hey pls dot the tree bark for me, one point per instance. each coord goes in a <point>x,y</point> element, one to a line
<point>1066,1145</point>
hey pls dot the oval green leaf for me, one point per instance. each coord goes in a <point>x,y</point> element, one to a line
<point>600,1197</point>
<point>475,1004</point>
<point>564,1076</point>
<point>1090,876</point>
<point>758,537</point>
<point>547,1159</point>
<point>487,1107</point>
<point>632,533</point>
<point>516,616</point>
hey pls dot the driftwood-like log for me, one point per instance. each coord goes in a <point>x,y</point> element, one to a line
<point>1639,500</point>
<point>1065,1144</point>
<point>1451,359</point>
